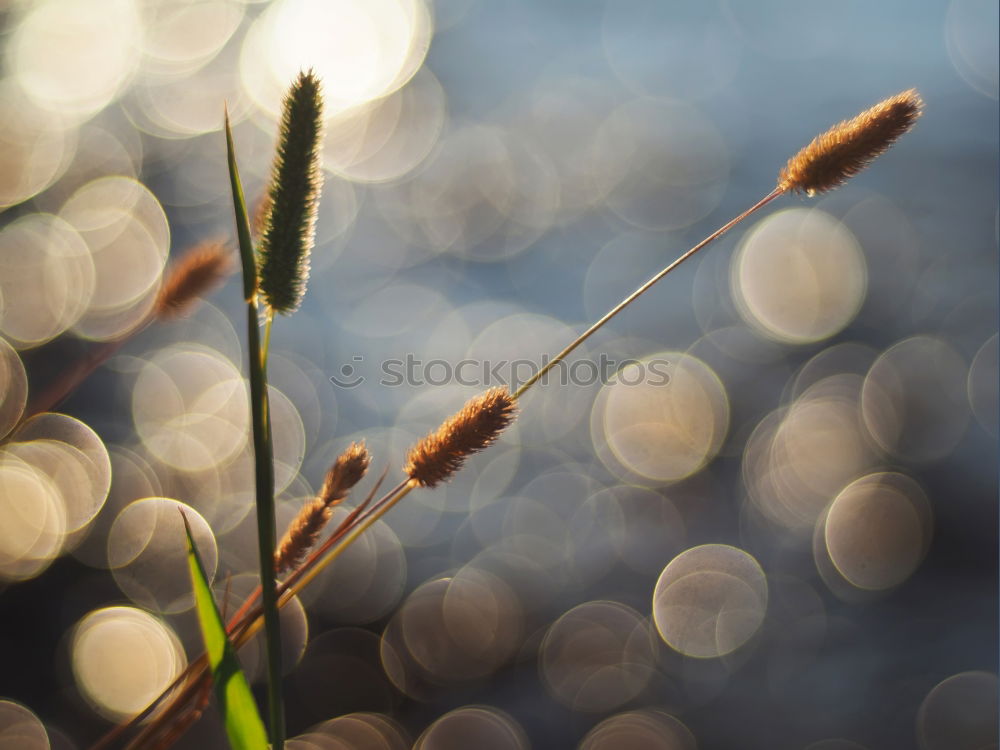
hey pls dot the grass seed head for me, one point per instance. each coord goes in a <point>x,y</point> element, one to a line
<point>289,225</point>
<point>198,271</point>
<point>436,457</point>
<point>845,149</point>
<point>306,527</point>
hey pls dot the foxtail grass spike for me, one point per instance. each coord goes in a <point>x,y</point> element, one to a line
<point>306,527</point>
<point>848,147</point>
<point>197,272</point>
<point>436,457</point>
<point>293,197</point>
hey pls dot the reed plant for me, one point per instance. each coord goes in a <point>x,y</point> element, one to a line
<point>275,275</point>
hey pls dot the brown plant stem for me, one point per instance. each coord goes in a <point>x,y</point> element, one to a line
<point>642,289</point>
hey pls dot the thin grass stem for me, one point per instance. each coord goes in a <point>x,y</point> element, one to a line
<point>642,289</point>
<point>263,459</point>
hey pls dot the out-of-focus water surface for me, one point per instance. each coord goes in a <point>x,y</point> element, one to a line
<point>758,510</point>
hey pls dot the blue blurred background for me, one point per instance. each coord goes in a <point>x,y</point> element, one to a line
<point>498,175</point>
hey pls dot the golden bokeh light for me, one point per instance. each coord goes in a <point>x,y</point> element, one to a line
<point>20,729</point>
<point>122,659</point>
<point>483,727</point>
<point>710,600</point>
<point>799,276</point>
<point>597,656</point>
<point>663,417</point>
<point>878,529</point>
<point>147,553</point>
<point>646,729</point>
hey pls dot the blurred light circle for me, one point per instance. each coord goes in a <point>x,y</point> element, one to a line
<point>183,36</point>
<point>639,730</point>
<point>672,163</point>
<point>797,459</point>
<point>482,194</point>
<point>70,58</point>
<point>984,375</point>
<point>180,104</point>
<point>361,731</point>
<point>133,478</point>
<point>20,729</point>
<point>596,657</point>
<point>190,408</point>
<point>366,582</point>
<point>288,437</point>
<point>960,713</point>
<point>126,230</point>
<point>878,529</point>
<point>74,443</point>
<point>123,658</point>
<point>481,727</point>
<point>459,629</point>
<point>482,615</point>
<point>70,472</point>
<point>664,417</point>
<point>971,39</point>
<point>147,553</point>
<point>47,278</point>
<point>360,49</point>
<point>799,276</point>
<point>35,146</point>
<point>710,600</point>
<point>32,519</point>
<point>914,399</point>
<point>387,138</point>
<point>13,386</point>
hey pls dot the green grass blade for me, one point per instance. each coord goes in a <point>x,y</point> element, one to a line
<point>242,221</point>
<point>263,458</point>
<point>239,711</point>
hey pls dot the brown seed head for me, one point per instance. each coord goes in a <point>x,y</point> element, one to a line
<point>306,527</point>
<point>847,148</point>
<point>199,270</point>
<point>346,472</point>
<point>439,455</point>
<point>301,535</point>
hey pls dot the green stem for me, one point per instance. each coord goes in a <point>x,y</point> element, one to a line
<point>639,292</point>
<point>263,459</point>
<point>267,337</point>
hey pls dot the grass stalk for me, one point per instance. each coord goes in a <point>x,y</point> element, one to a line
<point>263,458</point>
<point>642,290</point>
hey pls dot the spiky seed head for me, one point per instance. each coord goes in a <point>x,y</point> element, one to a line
<point>847,148</point>
<point>194,275</point>
<point>345,472</point>
<point>293,198</point>
<point>440,454</point>
<point>306,527</point>
<point>301,535</point>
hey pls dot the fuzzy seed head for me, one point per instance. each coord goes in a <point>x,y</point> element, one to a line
<point>845,149</point>
<point>436,457</point>
<point>346,472</point>
<point>306,527</point>
<point>289,225</point>
<point>301,535</point>
<point>198,271</point>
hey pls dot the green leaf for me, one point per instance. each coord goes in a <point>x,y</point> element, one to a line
<point>239,710</point>
<point>242,220</point>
